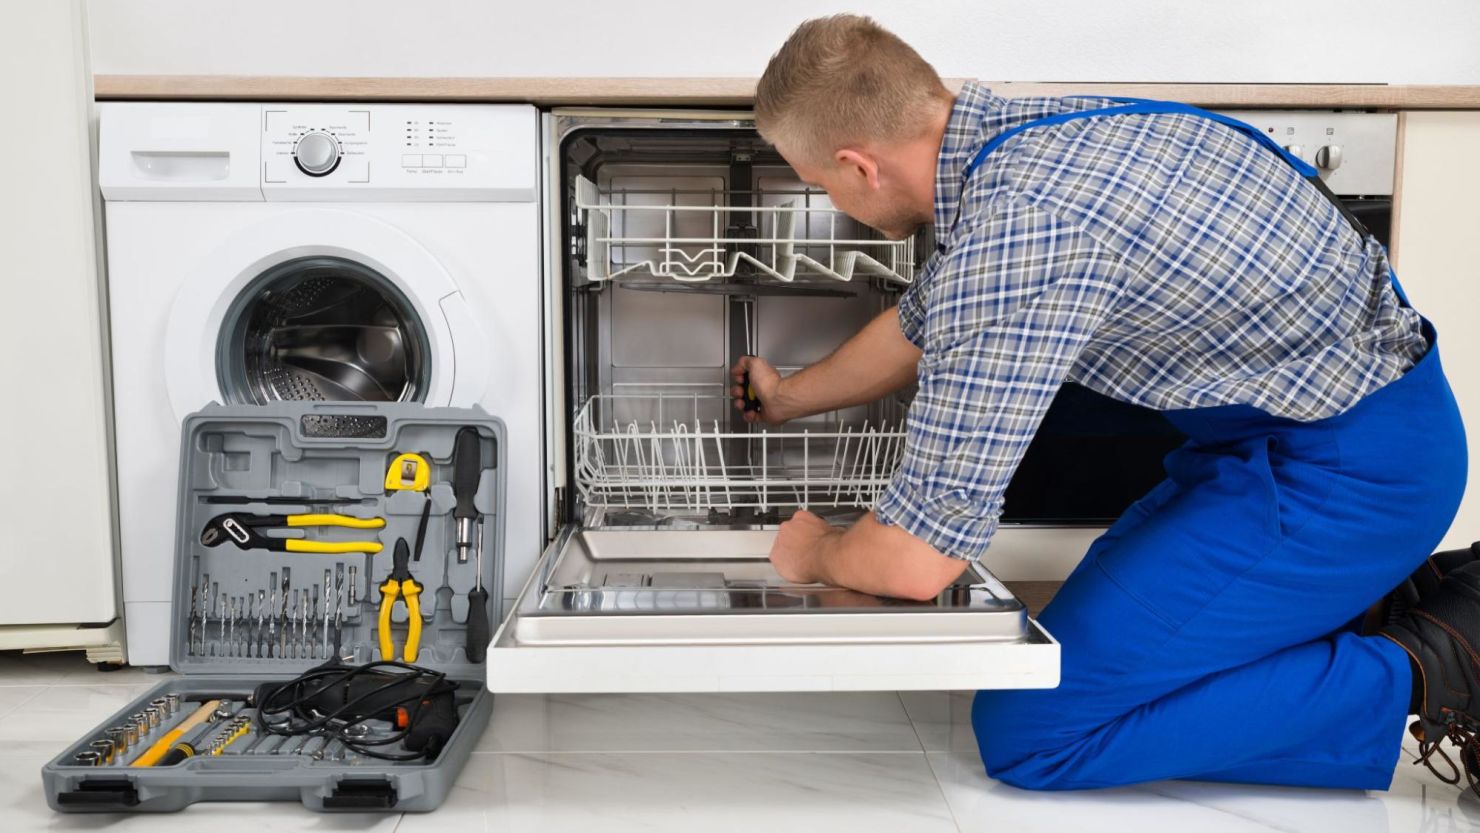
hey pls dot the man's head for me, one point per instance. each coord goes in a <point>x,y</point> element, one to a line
<point>859,113</point>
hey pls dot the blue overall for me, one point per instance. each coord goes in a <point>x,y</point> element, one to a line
<point>1208,634</point>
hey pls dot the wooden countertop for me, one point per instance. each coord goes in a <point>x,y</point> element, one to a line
<point>737,92</point>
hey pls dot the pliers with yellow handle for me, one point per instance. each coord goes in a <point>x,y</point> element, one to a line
<point>400,584</point>
<point>247,532</point>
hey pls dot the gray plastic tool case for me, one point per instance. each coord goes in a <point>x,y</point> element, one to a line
<point>335,457</point>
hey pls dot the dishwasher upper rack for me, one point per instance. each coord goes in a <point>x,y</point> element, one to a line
<point>682,458</point>
<point>665,239</point>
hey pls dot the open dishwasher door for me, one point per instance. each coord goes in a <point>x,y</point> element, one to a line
<point>615,610</point>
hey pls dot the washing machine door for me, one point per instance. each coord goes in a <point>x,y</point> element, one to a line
<point>322,304</point>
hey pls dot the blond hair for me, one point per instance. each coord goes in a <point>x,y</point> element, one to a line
<point>844,80</point>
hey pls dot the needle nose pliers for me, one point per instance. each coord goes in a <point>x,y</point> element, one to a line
<point>247,530</point>
<point>400,584</point>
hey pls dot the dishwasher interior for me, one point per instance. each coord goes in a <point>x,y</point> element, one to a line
<point>686,248</point>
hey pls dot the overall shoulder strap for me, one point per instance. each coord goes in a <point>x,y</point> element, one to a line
<point>1131,106</point>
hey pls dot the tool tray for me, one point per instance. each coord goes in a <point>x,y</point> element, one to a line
<point>325,458</point>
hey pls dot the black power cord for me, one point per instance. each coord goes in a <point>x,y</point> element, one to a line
<point>337,701</point>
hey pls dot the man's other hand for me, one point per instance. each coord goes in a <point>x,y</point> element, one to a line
<point>798,544</point>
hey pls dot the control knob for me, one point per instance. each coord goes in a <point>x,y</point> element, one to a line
<point>317,153</point>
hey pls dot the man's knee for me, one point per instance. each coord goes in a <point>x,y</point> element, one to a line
<point>1022,745</point>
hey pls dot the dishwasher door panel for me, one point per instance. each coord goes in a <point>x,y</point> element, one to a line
<point>619,610</point>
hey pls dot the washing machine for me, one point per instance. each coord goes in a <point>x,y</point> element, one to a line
<point>260,252</point>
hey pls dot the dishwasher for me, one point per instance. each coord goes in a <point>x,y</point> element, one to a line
<point>675,243</point>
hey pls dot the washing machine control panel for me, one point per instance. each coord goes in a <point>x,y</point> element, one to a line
<point>315,143</point>
<point>315,152</point>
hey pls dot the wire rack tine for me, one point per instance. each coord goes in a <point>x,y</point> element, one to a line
<point>847,249</point>
<point>664,462</point>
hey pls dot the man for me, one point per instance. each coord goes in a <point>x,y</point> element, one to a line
<point>1165,258</point>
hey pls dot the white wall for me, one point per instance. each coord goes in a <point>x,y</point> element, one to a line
<point>1417,42</point>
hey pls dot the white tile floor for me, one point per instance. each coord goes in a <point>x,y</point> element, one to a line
<point>855,762</point>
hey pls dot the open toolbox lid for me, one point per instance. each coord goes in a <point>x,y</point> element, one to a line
<point>231,616</point>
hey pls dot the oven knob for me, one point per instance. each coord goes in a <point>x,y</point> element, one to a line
<point>316,153</point>
<point>1329,157</point>
<point>1297,151</point>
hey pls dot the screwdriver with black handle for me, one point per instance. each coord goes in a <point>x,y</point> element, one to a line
<point>752,402</point>
<point>467,467</point>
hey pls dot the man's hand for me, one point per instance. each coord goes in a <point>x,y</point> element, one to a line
<point>799,544</point>
<point>877,361</point>
<point>765,381</point>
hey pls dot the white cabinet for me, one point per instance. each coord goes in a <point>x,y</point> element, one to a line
<point>54,498</point>
<point>1437,262</point>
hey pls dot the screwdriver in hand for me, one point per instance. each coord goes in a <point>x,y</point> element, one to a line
<point>752,403</point>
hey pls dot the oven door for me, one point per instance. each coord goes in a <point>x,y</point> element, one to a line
<point>643,610</point>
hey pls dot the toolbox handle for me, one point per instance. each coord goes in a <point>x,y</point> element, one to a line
<point>101,792</point>
<point>362,794</point>
<point>342,424</point>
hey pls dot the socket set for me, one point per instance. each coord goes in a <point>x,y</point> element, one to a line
<point>114,745</point>
<point>311,536</point>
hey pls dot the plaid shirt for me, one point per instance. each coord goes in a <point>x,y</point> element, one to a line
<point>1163,260</point>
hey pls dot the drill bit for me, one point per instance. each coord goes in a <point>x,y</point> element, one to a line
<point>272,586</point>
<point>194,622</point>
<point>283,632</point>
<point>220,615</point>
<point>190,637</point>
<point>290,629</point>
<point>353,588</point>
<point>303,651</point>
<point>327,576</point>
<point>230,646</point>
<point>247,618</point>
<point>261,609</point>
<point>205,600</point>
<point>338,589</point>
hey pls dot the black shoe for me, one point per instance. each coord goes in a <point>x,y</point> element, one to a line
<point>1421,583</point>
<point>1441,634</point>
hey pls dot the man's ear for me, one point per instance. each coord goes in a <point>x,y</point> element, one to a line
<point>859,163</point>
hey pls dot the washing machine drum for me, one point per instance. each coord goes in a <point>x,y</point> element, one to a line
<point>323,328</point>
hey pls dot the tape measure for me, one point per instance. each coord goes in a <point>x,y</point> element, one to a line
<point>408,473</point>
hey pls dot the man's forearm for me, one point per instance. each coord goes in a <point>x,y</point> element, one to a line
<point>884,560</point>
<point>878,360</point>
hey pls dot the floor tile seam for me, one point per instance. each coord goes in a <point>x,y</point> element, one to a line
<point>914,727</point>
<point>40,690</point>
<point>941,787</point>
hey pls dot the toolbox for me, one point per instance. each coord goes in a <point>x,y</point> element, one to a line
<point>281,508</point>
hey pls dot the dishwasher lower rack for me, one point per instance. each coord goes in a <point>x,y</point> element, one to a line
<point>675,454</point>
<point>624,610</point>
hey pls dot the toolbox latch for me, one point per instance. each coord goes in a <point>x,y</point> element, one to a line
<point>363,794</point>
<point>101,792</point>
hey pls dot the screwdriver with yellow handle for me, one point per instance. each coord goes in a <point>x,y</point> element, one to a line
<point>400,585</point>
<point>246,531</point>
<point>153,754</point>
